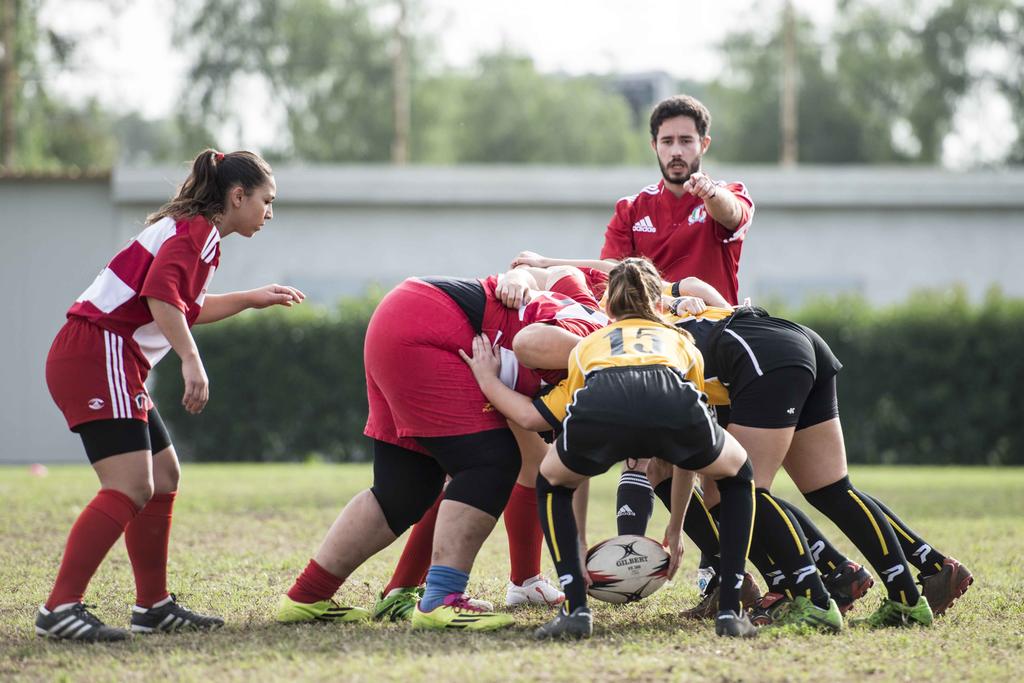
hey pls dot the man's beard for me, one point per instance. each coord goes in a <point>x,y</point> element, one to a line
<point>690,170</point>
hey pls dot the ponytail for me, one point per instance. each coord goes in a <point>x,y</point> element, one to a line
<point>213,175</point>
<point>634,289</point>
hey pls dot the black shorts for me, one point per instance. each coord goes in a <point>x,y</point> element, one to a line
<point>104,438</point>
<point>753,346</point>
<point>786,397</point>
<point>648,409</point>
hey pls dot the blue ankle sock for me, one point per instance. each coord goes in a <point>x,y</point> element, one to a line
<point>441,582</point>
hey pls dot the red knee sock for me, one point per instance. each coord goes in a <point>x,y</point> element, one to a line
<point>522,524</point>
<point>98,526</point>
<point>314,584</point>
<point>146,538</point>
<point>415,560</point>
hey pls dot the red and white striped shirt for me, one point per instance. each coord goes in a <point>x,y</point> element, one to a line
<point>171,261</point>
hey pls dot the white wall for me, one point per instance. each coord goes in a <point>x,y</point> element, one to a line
<point>883,233</point>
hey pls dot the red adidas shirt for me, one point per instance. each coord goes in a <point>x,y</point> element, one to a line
<point>679,237</point>
<point>169,261</point>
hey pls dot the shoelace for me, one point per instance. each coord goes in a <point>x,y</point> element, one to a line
<point>460,603</point>
<point>81,610</point>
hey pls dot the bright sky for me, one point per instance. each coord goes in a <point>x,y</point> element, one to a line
<point>129,61</point>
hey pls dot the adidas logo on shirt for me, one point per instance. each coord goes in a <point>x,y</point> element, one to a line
<point>625,511</point>
<point>644,225</point>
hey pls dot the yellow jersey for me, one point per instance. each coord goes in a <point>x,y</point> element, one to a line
<point>630,342</point>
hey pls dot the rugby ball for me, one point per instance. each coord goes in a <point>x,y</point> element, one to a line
<point>626,568</point>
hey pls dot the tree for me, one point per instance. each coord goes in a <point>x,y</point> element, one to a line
<point>324,65</point>
<point>884,86</point>
<point>506,111</point>
<point>41,131</point>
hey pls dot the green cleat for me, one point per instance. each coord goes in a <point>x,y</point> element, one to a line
<point>892,613</point>
<point>767,608</point>
<point>458,613</point>
<point>801,611</point>
<point>398,604</point>
<point>292,612</point>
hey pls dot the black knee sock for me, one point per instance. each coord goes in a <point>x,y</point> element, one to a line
<point>554,504</point>
<point>736,518</point>
<point>780,534</point>
<point>826,556</point>
<point>702,529</point>
<point>664,493</point>
<point>634,503</point>
<point>865,524</point>
<point>776,579</point>
<point>700,525</point>
<point>927,559</point>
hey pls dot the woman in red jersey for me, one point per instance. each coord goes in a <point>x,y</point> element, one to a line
<point>536,346</point>
<point>139,307</point>
<point>428,420</point>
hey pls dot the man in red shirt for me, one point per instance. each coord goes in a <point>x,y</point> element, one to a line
<point>687,224</point>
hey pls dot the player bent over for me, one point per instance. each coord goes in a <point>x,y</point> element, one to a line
<point>428,419</point>
<point>636,383</point>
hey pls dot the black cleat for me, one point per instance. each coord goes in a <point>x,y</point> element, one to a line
<point>579,624</point>
<point>169,617</point>
<point>707,608</point>
<point>76,622</point>
<point>764,611</point>
<point>732,625</point>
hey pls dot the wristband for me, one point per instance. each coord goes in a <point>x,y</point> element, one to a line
<point>675,289</point>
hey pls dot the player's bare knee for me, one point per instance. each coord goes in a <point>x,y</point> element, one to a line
<point>658,471</point>
<point>166,475</point>
<point>552,471</point>
<point>139,491</point>
<point>528,344</point>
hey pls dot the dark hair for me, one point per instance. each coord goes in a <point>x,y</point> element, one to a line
<point>681,105</point>
<point>213,175</point>
<point>634,288</point>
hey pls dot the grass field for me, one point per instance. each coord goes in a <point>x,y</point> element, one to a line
<point>242,533</point>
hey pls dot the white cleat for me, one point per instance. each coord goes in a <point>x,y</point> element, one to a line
<point>535,591</point>
<point>485,605</point>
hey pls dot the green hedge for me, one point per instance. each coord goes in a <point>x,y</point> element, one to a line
<point>285,384</point>
<point>934,380</point>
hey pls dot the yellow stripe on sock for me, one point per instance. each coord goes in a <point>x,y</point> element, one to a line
<point>753,515</point>
<point>831,566</point>
<point>897,528</point>
<point>903,597</point>
<point>789,594</point>
<point>938,566</point>
<point>874,523</point>
<point>551,529</point>
<point>711,520</point>
<point>792,531</point>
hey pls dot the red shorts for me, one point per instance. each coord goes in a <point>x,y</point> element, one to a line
<point>92,377</point>
<point>416,383</point>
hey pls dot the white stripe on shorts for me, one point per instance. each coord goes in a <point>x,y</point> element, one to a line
<point>115,405</point>
<point>124,379</point>
<point>750,351</point>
